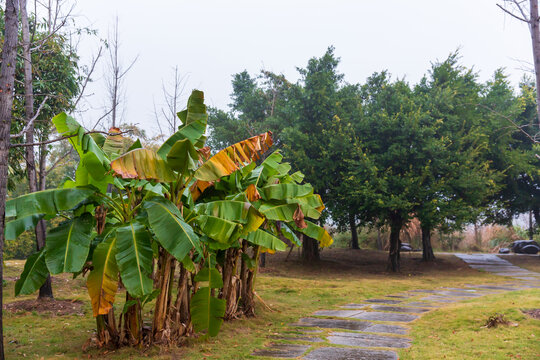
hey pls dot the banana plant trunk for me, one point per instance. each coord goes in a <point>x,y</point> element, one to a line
<point>181,319</point>
<point>132,331</point>
<point>231,283</point>
<point>107,332</point>
<point>161,324</point>
<point>247,277</point>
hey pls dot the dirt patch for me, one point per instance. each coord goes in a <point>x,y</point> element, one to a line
<point>53,307</point>
<point>534,313</point>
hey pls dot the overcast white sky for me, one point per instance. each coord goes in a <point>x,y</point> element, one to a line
<point>212,39</point>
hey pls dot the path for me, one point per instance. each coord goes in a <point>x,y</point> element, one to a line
<point>371,330</point>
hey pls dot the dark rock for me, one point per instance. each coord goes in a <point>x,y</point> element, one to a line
<point>333,353</point>
<point>414,310</point>
<point>384,301</point>
<point>282,351</point>
<point>504,251</point>
<point>530,249</point>
<point>525,247</point>
<point>383,316</point>
<point>368,340</point>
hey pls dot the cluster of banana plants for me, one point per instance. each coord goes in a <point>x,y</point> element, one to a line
<point>179,228</point>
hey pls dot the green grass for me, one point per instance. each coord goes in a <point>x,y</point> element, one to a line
<point>291,290</point>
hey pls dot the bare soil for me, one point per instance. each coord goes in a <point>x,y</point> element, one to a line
<point>534,313</point>
<point>52,307</point>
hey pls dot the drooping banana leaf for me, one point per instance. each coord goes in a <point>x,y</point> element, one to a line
<point>281,212</point>
<point>48,202</point>
<point>285,191</point>
<point>134,258</point>
<point>266,240</point>
<point>207,311</point>
<point>316,232</point>
<point>33,276</point>
<point>234,157</point>
<point>217,229</point>
<point>194,120</point>
<point>237,211</point>
<point>68,244</point>
<point>172,232</point>
<point>311,205</point>
<point>16,227</point>
<point>289,234</point>
<point>142,164</point>
<point>102,281</point>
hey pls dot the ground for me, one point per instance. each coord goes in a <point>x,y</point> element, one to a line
<point>292,290</point>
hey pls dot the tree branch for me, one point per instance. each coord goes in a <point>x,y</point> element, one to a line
<point>57,162</point>
<point>513,15</point>
<point>92,67</point>
<point>67,137</point>
<point>31,121</point>
<point>512,122</point>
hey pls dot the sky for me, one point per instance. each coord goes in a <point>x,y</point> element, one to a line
<point>210,40</point>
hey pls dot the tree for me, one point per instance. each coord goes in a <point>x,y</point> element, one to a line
<point>518,10</point>
<point>7,80</point>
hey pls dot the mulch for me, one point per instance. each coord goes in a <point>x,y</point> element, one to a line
<point>52,307</point>
<point>534,313</point>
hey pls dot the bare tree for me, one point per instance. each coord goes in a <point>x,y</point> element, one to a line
<point>172,93</point>
<point>7,79</point>
<point>115,74</point>
<point>518,10</point>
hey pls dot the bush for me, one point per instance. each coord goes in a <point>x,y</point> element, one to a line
<point>21,248</point>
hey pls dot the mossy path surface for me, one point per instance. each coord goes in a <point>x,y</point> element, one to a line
<point>377,328</point>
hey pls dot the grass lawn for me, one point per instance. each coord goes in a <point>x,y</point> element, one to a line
<point>292,290</point>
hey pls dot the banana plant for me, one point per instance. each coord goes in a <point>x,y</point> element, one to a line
<point>134,215</point>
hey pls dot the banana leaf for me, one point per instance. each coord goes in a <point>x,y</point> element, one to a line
<point>48,202</point>
<point>172,232</point>
<point>16,227</point>
<point>142,164</point>
<point>102,281</point>
<point>207,311</point>
<point>266,240</point>
<point>68,244</point>
<point>33,276</point>
<point>134,258</point>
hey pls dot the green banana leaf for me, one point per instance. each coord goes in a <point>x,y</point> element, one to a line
<point>183,156</point>
<point>311,205</point>
<point>48,202</point>
<point>207,311</point>
<point>134,258</point>
<point>316,232</point>
<point>172,232</point>
<point>266,240</point>
<point>217,228</point>
<point>115,144</point>
<point>102,281</point>
<point>68,244</point>
<point>285,191</point>
<point>289,234</point>
<point>33,276</point>
<point>194,125</point>
<point>16,227</point>
<point>238,211</point>
<point>281,212</point>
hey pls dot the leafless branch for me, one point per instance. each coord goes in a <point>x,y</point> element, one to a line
<point>85,83</point>
<point>524,19</point>
<point>101,118</point>
<point>31,121</point>
<point>67,137</point>
<point>512,122</point>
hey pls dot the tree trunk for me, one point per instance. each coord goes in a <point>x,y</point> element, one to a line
<point>354,234</point>
<point>310,249</point>
<point>427,250</point>
<point>231,283</point>
<point>393,253</point>
<point>379,240</point>
<point>7,78</point>
<point>535,38</point>
<point>531,228</point>
<point>107,332</point>
<point>161,329</point>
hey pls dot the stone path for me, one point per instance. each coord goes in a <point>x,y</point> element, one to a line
<point>371,330</point>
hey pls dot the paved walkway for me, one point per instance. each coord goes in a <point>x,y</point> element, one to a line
<point>374,329</point>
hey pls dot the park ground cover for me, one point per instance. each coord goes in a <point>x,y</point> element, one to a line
<point>292,289</point>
